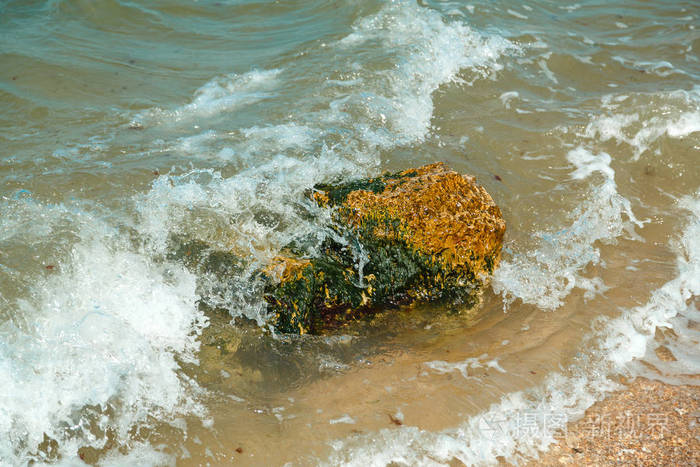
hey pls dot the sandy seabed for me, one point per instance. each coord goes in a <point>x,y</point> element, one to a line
<point>648,423</point>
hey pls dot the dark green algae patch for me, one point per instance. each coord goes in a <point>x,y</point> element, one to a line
<point>327,291</point>
<point>338,193</point>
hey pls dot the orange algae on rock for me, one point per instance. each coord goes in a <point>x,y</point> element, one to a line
<point>423,234</point>
<point>445,215</point>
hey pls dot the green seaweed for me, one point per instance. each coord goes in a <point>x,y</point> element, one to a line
<point>329,291</point>
<point>292,303</point>
<point>337,193</point>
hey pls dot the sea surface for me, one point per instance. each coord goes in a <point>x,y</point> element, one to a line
<point>125,125</point>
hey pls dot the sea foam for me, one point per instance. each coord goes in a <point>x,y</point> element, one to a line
<point>546,275</point>
<point>641,121</point>
<point>101,335</point>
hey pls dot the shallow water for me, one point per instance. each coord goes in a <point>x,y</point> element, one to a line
<point>124,125</point>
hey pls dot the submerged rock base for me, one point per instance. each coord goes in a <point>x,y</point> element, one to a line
<point>419,235</point>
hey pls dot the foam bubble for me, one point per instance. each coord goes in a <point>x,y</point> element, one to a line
<point>343,419</point>
<point>221,94</point>
<point>464,366</point>
<point>507,96</point>
<point>249,145</point>
<point>587,163</point>
<point>282,137</point>
<point>194,145</point>
<point>516,14</point>
<point>675,115</point>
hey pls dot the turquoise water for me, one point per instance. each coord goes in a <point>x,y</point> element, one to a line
<point>125,124</point>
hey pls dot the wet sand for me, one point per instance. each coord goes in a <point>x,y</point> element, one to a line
<point>648,423</point>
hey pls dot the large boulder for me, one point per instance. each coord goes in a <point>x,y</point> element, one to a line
<point>419,235</point>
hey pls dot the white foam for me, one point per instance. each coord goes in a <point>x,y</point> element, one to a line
<point>102,334</point>
<point>229,92</point>
<point>675,115</point>
<point>248,145</point>
<point>587,163</point>
<point>673,306</point>
<point>687,124</point>
<point>506,97</point>
<point>610,126</point>
<point>465,366</point>
<point>545,275</point>
<point>570,8</point>
<point>221,94</point>
<point>193,145</point>
<point>432,52</point>
<point>344,419</point>
<point>516,14</point>
<point>285,136</point>
<point>547,72</point>
<point>520,425</point>
<point>660,68</point>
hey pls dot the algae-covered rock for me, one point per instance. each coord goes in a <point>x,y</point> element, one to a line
<point>422,234</point>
